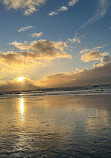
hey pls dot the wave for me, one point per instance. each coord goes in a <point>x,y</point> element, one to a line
<point>88,90</point>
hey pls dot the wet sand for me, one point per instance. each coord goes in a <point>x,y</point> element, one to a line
<point>56,126</point>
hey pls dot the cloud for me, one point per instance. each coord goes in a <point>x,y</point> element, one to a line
<point>90,50</point>
<point>85,77</point>
<point>33,53</point>
<point>74,40</point>
<point>1,77</point>
<point>15,85</point>
<point>99,74</point>
<point>72,2</point>
<point>28,6</point>
<point>42,49</point>
<point>30,10</point>
<point>52,13</point>
<point>94,76</point>
<point>37,34</point>
<point>94,55</point>
<point>63,8</point>
<point>42,46</point>
<point>25,28</point>
<point>100,12</point>
<point>106,59</point>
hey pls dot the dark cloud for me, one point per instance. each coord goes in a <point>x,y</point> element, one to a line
<point>94,76</point>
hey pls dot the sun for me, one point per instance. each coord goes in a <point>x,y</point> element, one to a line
<point>20,79</point>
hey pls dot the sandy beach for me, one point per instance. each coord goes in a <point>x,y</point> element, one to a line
<point>55,126</point>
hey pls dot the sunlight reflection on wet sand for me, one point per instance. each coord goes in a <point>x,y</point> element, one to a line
<point>22,108</point>
<point>55,126</point>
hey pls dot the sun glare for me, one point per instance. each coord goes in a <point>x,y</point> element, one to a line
<point>20,79</point>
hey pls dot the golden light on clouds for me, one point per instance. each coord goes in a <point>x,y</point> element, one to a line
<point>33,54</point>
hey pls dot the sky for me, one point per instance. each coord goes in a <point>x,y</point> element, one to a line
<point>54,43</point>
